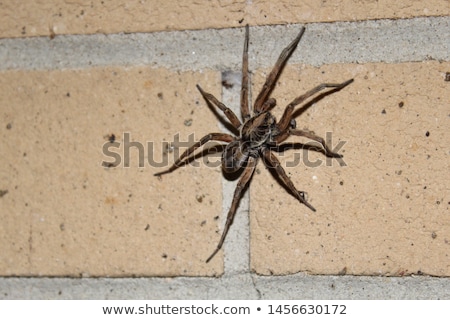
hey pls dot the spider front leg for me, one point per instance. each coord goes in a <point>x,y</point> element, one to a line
<point>247,174</point>
<point>183,158</point>
<point>227,111</point>
<point>245,111</point>
<point>273,162</point>
<point>273,75</point>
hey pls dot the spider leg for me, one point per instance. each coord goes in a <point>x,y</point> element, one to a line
<point>312,136</point>
<point>182,159</point>
<point>245,111</point>
<point>269,104</point>
<point>247,174</point>
<point>270,159</point>
<point>273,75</point>
<point>227,111</point>
<point>286,117</point>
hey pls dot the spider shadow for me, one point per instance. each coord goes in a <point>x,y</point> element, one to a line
<point>309,146</point>
<point>313,101</point>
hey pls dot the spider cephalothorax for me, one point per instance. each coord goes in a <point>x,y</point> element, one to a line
<point>259,134</point>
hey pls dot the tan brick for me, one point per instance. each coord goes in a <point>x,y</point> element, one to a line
<point>47,18</point>
<point>386,212</point>
<point>64,214</point>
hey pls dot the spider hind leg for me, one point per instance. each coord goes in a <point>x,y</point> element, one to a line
<point>238,192</point>
<point>273,163</point>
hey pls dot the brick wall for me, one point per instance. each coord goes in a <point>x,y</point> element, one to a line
<point>65,214</point>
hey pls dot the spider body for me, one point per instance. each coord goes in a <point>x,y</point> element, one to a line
<point>255,133</point>
<point>259,134</point>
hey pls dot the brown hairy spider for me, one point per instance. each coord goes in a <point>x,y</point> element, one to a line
<point>259,133</point>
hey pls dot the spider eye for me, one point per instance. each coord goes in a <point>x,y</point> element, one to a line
<point>293,124</point>
<point>233,157</point>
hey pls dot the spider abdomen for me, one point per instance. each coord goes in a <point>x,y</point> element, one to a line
<point>234,156</point>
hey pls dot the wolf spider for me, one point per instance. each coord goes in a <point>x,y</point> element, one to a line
<point>259,133</point>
